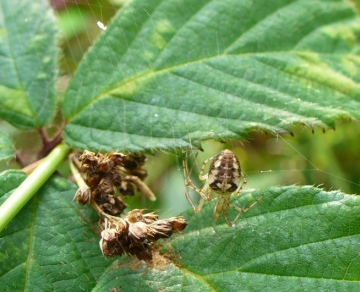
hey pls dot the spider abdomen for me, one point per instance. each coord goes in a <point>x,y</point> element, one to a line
<point>224,172</point>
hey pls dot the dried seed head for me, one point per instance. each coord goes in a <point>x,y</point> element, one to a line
<point>88,161</point>
<point>93,179</point>
<point>165,228</point>
<point>105,164</point>
<point>134,216</point>
<point>149,218</point>
<point>108,174</point>
<point>119,224</point>
<point>113,205</point>
<point>138,231</point>
<point>111,248</point>
<point>109,234</point>
<point>117,157</point>
<point>115,176</point>
<point>160,229</point>
<point>111,172</point>
<point>83,195</point>
<point>109,209</point>
<point>106,186</point>
<point>178,224</point>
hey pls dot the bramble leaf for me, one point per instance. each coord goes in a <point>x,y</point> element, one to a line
<point>28,56</point>
<point>294,237</point>
<point>169,73</point>
<point>301,236</point>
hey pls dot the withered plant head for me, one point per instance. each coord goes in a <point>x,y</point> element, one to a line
<point>135,233</point>
<point>109,177</point>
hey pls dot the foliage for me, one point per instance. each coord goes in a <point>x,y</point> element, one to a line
<point>167,75</point>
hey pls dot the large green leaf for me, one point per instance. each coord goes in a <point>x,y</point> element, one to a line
<point>294,239</point>
<point>28,57</point>
<point>167,73</point>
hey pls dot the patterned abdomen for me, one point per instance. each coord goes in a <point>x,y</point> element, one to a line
<point>224,172</point>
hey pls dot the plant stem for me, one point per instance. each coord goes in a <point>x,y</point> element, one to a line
<point>31,185</point>
<point>49,144</point>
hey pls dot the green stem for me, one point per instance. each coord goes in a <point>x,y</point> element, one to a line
<point>31,185</point>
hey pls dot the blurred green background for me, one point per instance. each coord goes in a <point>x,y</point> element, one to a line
<point>330,159</point>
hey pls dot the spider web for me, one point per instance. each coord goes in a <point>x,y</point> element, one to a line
<point>320,159</point>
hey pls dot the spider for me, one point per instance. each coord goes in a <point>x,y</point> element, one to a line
<point>224,178</point>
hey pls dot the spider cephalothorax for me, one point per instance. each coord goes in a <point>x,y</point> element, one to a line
<point>225,178</point>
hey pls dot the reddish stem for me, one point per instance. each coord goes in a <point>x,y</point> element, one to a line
<point>48,144</point>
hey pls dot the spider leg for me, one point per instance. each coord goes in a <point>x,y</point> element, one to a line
<point>222,205</point>
<point>205,193</point>
<point>198,208</point>
<point>203,176</point>
<point>244,210</point>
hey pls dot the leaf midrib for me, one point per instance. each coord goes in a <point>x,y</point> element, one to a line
<point>151,73</point>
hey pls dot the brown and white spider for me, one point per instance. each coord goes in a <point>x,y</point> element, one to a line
<point>224,177</point>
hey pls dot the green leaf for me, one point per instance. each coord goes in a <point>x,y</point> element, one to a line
<point>28,63</point>
<point>169,73</point>
<point>10,180</point>
<point>6,147</point>
<point>295,238</point>
<point>51,244</point>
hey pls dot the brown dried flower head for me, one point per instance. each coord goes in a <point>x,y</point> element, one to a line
<point>109,177</point>
<point>137,234</point>
<point>112,175</point>
<point>83,195</point>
